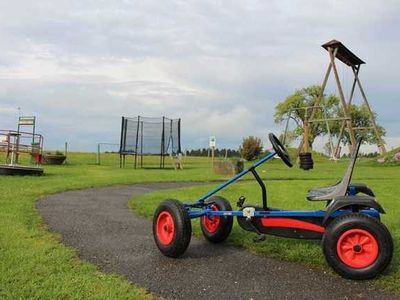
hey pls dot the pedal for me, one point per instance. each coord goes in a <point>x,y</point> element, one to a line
<point>260,236</point>
<point>240,201</point>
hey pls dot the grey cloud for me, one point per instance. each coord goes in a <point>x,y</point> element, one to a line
<point>81,65</point>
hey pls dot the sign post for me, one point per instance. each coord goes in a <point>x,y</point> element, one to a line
<point>212,141</point>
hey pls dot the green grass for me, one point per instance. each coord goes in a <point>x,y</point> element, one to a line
<point>33,262</point>
<point>287,189</point>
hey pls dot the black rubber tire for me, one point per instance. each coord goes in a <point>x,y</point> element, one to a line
<point>357,221</point>
<point>306,162</point>
<point>307,167</point>
<point>183,228</point>
<point>225,225</point>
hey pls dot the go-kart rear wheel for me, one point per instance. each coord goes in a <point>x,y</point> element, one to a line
<point>172,228</point>
<point>216,229</point>
<point>357,246</point>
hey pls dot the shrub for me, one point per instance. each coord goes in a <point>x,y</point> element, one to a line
<point>251,148</point>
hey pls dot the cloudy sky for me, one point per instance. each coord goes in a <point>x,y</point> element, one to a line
<point>221,66</point>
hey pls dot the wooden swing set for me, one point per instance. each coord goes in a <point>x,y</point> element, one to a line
<point>337,50</point>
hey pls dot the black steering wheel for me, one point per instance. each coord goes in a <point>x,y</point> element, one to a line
<point>280,150</point>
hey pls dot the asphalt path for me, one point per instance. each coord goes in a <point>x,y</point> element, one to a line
<point>99,224</point>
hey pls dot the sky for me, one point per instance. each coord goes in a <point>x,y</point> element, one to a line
<point>220,66</point>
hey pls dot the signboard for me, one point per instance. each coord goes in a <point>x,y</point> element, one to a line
<point>26,121</point>
<point>212,142</point>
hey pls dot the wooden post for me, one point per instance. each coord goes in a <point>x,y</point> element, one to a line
<point>381,144</point>
<point>98,154</point>
<point>323,86</point>
<point>336,153</point>
<point>66,152</point>
<point>342,99</point>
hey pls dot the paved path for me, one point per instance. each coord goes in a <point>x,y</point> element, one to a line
<point>108,234</point>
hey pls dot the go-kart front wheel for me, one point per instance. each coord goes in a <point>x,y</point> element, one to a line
<point>357,246</point>
<point>172,228</point>
<point>216,229</point>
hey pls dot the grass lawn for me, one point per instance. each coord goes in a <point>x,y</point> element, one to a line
<point>33,262</point>
<point>35,265</point>
<point>287,189</point>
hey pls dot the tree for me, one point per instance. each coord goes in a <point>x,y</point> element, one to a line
<point>293,105</point>
<point>331,108</point>
<point>360,118</point>
<point>251,148</point>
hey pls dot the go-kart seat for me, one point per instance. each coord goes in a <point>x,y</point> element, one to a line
<point>340,188</point>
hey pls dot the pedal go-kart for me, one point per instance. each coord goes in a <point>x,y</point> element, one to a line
<point>354,241</point>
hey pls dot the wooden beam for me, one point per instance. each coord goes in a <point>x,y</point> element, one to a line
<point>342,99</point>
<point>381,144</point>
<point>336,154</point>
<point>329,119</point>
<point>323,86</point>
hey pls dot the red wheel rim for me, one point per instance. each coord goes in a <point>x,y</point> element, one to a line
<point>165,228</point>
<point>357,248</point>
<point>211,223</point>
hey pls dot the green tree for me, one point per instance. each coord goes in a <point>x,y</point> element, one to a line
<point>332,108</point>
<point>294,104</point>
<point>360,118</point>
<point>251,148</point>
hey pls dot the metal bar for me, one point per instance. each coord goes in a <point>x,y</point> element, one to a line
<point>170,137</point>
<point>137,138</point>
<point>33,130</point>
<point>111,144</point>
<point>235,178</point>
<point>263,189</point>
<point>162,142</point>
<point>179,136</point>
<point>122,141</point>
<point>279,213</point>
<point>17,143</point>
<point>141,144</point>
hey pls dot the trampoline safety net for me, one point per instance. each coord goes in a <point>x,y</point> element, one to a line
<point>149,136</point>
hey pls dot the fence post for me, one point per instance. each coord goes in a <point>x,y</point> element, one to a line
<point>98,154</point>
<point>66,152</point>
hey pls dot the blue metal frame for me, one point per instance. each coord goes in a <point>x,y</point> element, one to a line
<point>279,213</point>
<point>205,208</point>
<point>233,179</point>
